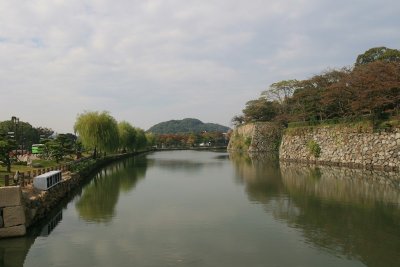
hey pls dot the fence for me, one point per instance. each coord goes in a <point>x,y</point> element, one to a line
<point>26,178</point>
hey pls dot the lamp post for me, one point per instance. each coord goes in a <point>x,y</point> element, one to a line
<point>15,122</point>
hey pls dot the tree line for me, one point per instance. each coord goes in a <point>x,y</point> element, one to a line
<point>94,131</point>
<point>371,88</point>
<point>100,132</point>
<point>185,140</point>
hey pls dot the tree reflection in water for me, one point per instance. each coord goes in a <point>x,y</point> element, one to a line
<point>99,198</point>
<point>351,213</point>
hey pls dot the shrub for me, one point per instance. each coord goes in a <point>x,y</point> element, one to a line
<point>314,148</point>
<point>247,141</point>
<point>81,166</point>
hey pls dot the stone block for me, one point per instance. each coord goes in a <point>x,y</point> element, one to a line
<point>10,196</point>
<point>18,230</point>
<point>13,216</point>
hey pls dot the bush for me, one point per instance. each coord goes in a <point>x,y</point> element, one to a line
<point>37,165</point>
<point>247,141</point>
<point>314,148</point>
<point>82,165</point>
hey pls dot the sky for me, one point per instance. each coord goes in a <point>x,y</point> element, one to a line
<point>150,61</point>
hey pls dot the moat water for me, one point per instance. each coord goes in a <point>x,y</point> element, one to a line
<point>188,208</point>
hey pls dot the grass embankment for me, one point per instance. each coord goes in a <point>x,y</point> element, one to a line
<point>360,125</point>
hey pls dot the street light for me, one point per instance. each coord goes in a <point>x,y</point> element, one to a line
<point>15,122</point>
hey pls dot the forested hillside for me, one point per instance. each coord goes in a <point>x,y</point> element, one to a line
<point>186,126</point>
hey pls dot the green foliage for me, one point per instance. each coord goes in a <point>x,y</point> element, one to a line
<point>151,139</point>
<point>190,139</point>
<point>127,136</point>
<point>82,165</point>
<point>247,141</point>
<point>67,143</point>
<point>240,142</point>
<point>98,131</point>
<point>314,148</point>
<point>259,110</point>
<point>24,134</point>
<point>186,126</point>
<point>6,146</point>
<point>141,140</point>
<point>378,53</point>
<point>350,121</point>
<point>63,145</point>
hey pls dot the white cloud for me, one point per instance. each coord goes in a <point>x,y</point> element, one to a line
<point>147,61</point>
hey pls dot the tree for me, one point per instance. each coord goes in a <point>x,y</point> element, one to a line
<point>7,145</point>
<point>150,139</point>
<point>24,134</point>
<point>141,141</point>
<point>67,143</point>
<point>281,91</point>
<point>307,101</point>
<point>237,120</point>
<point>376,87</point>
<point>378,54</point>
<point>259,110</point>
<point>98,131</point>
<point>53,150</point>
<point>127,136</point>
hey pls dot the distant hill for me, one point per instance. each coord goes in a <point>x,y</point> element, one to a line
<point>186,126</point>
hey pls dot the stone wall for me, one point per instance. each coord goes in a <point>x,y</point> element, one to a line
<point>342,146</point>
<point>262,137</point>
<point>12,212</point>
<point>39,203</point>
<point>20,207</point>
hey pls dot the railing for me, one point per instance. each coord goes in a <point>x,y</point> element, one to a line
<point>26,178</point>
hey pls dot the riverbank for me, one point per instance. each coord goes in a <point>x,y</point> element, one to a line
<point>21,208</point>
<point>350,145</point>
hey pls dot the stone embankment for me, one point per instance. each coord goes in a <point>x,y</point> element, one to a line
<point>21,207</point>
<point>256,137</point>
<point>343,146</point>
<point>12,212</point>
<point>339,145</point>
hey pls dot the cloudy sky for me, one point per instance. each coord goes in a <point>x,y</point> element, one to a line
<point>156,60</point>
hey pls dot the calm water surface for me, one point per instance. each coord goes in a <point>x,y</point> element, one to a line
<point>188,208</point>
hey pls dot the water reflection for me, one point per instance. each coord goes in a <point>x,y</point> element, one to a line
<point>13,251</point>
<point>52,224</point>
<point>350,213</point>
<point>184,160</point>
<point>345,185</point>
<point>99,198</point>
<point>261,176</point>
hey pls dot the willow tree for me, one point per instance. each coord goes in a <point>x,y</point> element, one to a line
<point>141,141</point>
<point>127,136</point>
<point>97,131</point>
